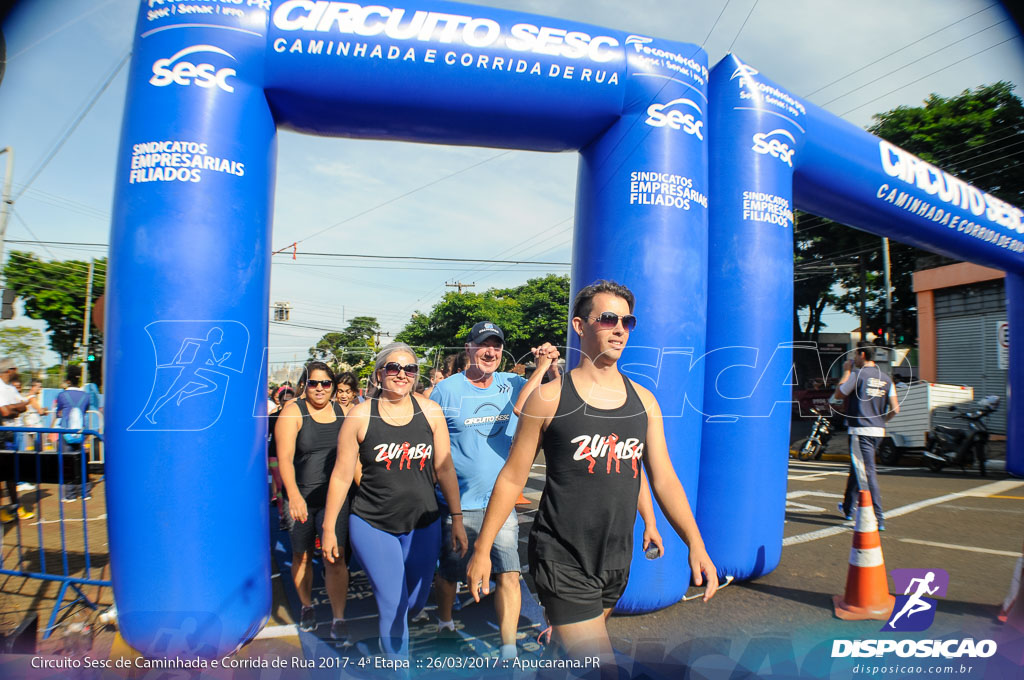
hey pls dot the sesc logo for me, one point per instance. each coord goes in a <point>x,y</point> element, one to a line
<point>772,144</point>
<point>167,71</point>
<point>661,115</point>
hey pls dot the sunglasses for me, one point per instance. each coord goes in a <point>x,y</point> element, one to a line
<point>322,383</point>
<point>610,320</point>
<point>393,368</point>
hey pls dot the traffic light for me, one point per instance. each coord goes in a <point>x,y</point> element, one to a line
<point>91,357</point>
<point>8,304</point>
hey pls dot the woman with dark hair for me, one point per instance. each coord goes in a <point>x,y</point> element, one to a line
<point>280,400</point>
<point>347,395</point>
<point>306,439</point>
<point>401,441</point>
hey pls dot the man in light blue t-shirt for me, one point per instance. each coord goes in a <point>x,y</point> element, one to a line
<point>481,406</point>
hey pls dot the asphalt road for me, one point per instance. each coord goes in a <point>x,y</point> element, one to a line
<point>968,525</point>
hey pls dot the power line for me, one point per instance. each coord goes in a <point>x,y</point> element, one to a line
<point>970,56</point>
<point>74,124</point>
<point>930,54</point>
<point>712,30</point>
<point>428,259</point>
<point>854,72</point>
<point>396,198</point>
<point>29,230</point>
<point>742,27</point>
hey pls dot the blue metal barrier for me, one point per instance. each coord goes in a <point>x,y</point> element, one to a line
<point>52,469</point>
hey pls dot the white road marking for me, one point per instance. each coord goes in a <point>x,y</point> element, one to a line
<point>815,477</point>
<point>977,492</point>
<point>792,505</point>
<point>967,548</point>
<point>800,494</point>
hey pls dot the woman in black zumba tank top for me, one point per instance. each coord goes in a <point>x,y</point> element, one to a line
<point>306,437</point>
<point>400,440</point>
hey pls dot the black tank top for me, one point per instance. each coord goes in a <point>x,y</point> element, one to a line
<point>593,458</point>
<point>396,493</point>
<point>316,448</point>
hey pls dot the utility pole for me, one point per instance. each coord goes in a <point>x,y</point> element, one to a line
<point>5,207</point>
<point>888,293</point>
<point>863,300</point>
<point>85,327</point>
<point>460,285</point>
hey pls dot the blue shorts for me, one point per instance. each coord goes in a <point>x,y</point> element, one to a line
<point>504,552</point>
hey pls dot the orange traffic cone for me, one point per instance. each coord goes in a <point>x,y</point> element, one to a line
<point>867,589</point>
<point>522,500</point>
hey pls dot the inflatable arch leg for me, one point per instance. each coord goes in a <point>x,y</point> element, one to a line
<point>1015,376</point>
<point>187,295</point>
<point>654,180</point>
<point>749,337</point>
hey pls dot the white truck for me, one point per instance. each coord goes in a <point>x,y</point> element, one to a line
<point>922,405</point>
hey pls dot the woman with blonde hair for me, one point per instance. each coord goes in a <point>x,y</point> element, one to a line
<point>400,439</point>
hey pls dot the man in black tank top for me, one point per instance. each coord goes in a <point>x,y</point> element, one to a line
<point>597,428</point>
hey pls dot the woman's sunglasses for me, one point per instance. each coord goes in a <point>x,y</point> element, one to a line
<point>322,383</point>
<point>610,320</point>
<point>393,368</point>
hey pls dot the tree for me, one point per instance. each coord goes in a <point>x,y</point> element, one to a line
<point>24,345</point>
<point>974,136</point>
<point>530,314</point>
<point>55,292</point>
<point>350,349</point>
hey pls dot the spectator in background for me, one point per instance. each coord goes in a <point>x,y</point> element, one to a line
<point>72,405</point>
<point>277,486</point>
<point>435,376</point>
<point>347,394</point>
<point>33,417</point>
<point>11,407</point>
<point>455,363</point>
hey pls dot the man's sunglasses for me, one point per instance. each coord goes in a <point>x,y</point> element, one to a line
<point>610,320</point>
<point>322,383</point>
<point>393,368</point>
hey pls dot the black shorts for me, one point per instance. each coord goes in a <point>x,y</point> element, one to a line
<point>570,596</point>
<point>303,534</point>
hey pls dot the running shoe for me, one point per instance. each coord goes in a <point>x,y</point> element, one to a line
<point>307,621</point>
<point>842,512</point>
<point>420,617</point>
<point>6,516</point>
<point>339,632</point>
<point>25,513</point>
<point>26,486</point>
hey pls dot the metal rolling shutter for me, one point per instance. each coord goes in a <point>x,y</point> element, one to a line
<point>965,324</point>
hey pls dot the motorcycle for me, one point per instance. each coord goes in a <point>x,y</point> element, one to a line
<point>951,446</point>
<point>811,447</point>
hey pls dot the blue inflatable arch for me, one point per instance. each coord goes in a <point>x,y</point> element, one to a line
<point>190,258</point>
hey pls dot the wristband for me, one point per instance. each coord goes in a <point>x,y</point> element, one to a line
<point>455,514</point>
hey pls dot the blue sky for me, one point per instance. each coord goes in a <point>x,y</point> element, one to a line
<point>369,197</point>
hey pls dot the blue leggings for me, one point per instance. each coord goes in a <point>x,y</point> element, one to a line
<point>381,553</point>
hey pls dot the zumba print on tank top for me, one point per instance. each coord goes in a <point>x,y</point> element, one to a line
<point>593,459</point>
<point>396,493</point>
